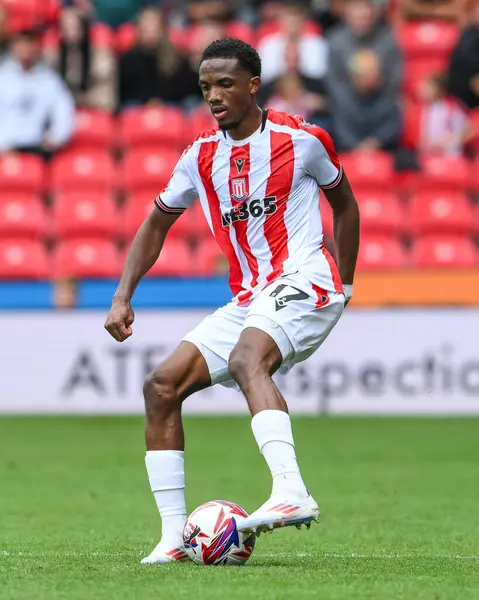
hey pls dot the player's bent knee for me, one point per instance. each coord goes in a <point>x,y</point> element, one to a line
<point>242,365</point>
<point>160,392</point>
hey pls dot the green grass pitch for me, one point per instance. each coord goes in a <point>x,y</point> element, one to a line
<point>399,497</point>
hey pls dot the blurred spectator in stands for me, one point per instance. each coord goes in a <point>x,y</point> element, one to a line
<point>3,33</point>
<point>206,11</point>
<point>364,27</point>
<point>366,118</point>
<point>464,66</point>
<point>312,48</point>
<point>448,10</point>
<point>154,70</point>
<point>444,125</point>
<point>327,13</point>
<point>37,112</point>
<point>65,291</point>
<point>89,72</point>
<point>296,93</point>
<point>112,12</point>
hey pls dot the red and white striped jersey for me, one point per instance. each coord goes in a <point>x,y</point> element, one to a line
<point>260,196</point>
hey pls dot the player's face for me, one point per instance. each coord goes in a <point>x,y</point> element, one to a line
<point>228,89</point>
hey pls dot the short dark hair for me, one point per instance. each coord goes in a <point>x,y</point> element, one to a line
<point>229,47</point>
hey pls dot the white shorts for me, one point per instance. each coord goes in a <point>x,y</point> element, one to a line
<point>296,314</point>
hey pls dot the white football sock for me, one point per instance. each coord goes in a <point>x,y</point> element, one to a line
<point>272,430</point>
<point>166,472</point>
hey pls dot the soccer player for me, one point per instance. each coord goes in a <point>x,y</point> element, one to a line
<point>258,176</point>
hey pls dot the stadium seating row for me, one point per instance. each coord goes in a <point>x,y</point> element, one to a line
<point>93,257</point>
<point>421,39</point>
<point>150,167</point>
<point>93,212</point>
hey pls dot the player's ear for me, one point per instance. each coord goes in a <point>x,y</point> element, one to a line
<point>255,82</point>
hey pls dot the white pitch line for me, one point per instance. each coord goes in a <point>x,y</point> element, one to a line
<point>379,556</point>
<point>6,553</point>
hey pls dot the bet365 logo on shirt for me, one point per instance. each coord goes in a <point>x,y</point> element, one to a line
<point>255,208</point>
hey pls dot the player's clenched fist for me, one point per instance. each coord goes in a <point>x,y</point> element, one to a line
<point>120,319</point>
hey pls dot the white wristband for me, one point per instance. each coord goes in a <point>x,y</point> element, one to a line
<point>348,292</point>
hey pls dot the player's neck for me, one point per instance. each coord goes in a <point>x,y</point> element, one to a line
<point>248,125</point>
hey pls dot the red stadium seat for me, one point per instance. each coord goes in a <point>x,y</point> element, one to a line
<point>175,260</point>
<point>441,212</point>
<point>83,170</point>
<point>153,126</point>
<point>369,170</point>
<point>21,173</point>
<point>200,120</point>
<point>417,70</point>
<point>126,37</point>
<point>210,260</point>
<point>441,173</point>
<point>190,225</point>
<point>22,215</point>
<point>474,171</point>
<point>380,213</point>
<point>427,38</point>
<point>86,258</point>
<point>381,252</point>
<point>242,31</point>
<point>148,169</point>
<point>138,206</point>
<point>102,37</point>
<point>87,213</point>
<point>94,128</point>
<point>23,259</point>
<point>432,251</point>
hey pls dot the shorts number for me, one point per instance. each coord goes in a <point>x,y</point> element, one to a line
<point>282,301</point>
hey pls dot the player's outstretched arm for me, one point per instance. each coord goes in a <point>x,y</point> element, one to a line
<point>346,231</point>
<point>143,254</point>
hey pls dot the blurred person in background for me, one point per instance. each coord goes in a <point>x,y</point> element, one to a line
<point>296,93</point>
<point>311,48</point>
<point>37,111</point>
<point>448,10</point>
<point>3,33</point>
<point>443,124</point>
<point>327,13</point>
<point>154,70</point>
<point>89,72</point>
<point>205,11</point>
<point>366,118</point>
<point>112,12</point>
<point>464,65</point>
<point>364,27</point>
<point>65,293</point>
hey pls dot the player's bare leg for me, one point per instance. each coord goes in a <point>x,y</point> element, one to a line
<point>252,363</point>
<point>179,376</point>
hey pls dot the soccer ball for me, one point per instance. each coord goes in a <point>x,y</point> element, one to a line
<point>211,537</point>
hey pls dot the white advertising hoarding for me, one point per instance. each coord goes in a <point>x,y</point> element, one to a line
<point>384,361</point>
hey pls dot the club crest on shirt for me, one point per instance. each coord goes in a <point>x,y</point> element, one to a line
<point>239,162</point>
<point>239,191</point>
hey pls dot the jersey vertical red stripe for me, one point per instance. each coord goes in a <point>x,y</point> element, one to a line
<point>205,169</point>
<point>338,286</point>
<point>279,185</point>
<point>240,164</point>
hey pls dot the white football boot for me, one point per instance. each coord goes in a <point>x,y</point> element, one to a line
<point>161,555</point>
<point>278,512</point>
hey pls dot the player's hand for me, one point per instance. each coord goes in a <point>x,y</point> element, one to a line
<point>120,319</point>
